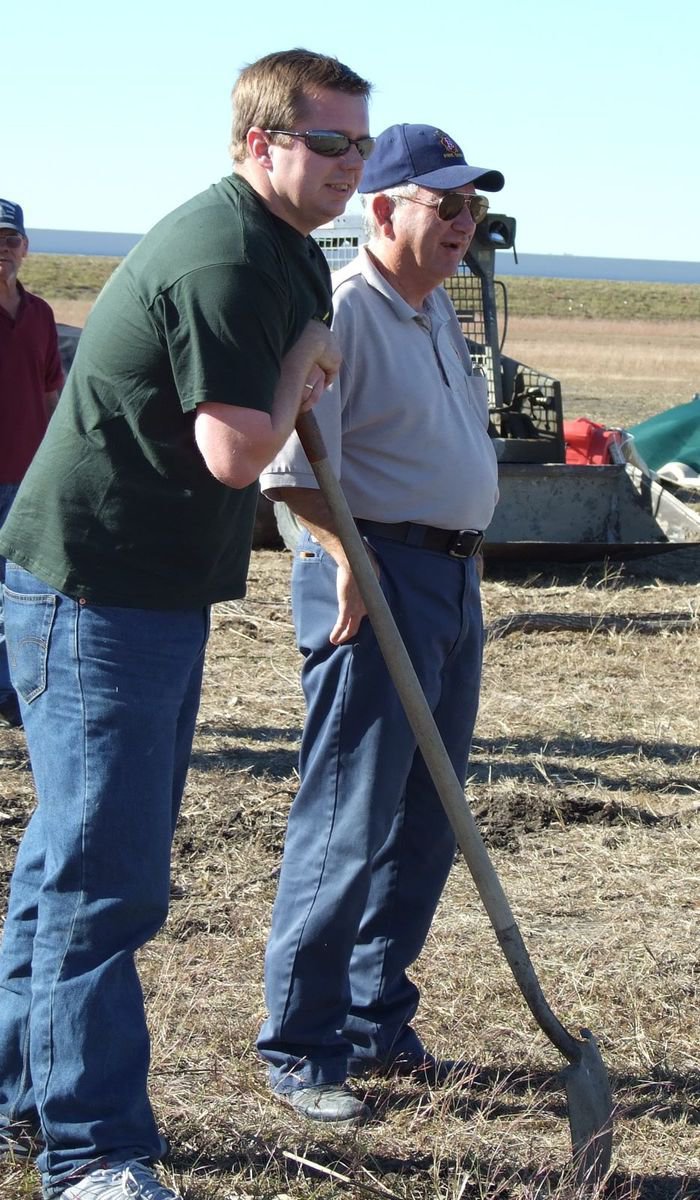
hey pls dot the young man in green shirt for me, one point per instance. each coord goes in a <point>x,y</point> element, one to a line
<point>134,517</point>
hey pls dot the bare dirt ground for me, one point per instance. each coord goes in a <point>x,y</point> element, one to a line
<point>585,780</point>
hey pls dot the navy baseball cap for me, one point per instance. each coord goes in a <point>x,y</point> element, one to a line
<point>425,155</point>
<point>11,217</point>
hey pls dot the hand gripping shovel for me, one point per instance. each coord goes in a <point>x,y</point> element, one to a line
<point>585,1078</point>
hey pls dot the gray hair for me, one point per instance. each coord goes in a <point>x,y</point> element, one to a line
<point>402,192</point>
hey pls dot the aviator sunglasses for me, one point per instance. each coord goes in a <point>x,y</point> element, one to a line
<point>327,143</point>
<point>12,240</point>
<point>449,206</point>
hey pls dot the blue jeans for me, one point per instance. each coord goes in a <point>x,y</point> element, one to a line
<point>8,491</point>
<point>368,846</point>
<point>109,698</point>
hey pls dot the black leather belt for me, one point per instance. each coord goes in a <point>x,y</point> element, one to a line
<point>460,543</point>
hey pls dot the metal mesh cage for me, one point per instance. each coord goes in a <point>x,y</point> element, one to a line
<point>465,292</point>
<point>525,406</point>
<point>339,249</point>
<point>531,408</point>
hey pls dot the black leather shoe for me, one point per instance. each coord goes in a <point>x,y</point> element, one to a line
<point>332,1102</point>
<point>10,716</point>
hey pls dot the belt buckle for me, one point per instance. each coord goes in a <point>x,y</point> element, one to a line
<point>465,543</point>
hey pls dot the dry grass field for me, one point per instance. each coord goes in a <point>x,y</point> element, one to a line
<point>585,780</point>
<point>618,372</point>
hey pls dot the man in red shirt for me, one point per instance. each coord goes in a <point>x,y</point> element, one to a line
<point>30,378</point>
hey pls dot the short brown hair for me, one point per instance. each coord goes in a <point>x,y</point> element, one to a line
<point>270,93</point>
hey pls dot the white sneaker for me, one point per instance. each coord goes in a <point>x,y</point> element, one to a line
<point>125,1181</point>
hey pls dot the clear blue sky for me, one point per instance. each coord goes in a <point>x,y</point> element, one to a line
<point>115,113</point>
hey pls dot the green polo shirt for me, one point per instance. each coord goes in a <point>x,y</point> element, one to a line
<point>118,506</point>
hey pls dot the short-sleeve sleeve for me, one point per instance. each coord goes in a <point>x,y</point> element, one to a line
<point>225,328</point>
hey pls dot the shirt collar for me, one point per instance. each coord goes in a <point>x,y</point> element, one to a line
<point>431,314</point>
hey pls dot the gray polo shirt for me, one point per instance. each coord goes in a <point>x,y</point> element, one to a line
<point>405,423</point>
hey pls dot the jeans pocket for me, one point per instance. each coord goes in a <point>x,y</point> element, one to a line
<point>28,623</point>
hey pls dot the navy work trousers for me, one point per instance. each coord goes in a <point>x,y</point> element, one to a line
<point>368,845</point>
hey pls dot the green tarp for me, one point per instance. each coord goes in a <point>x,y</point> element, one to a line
<point>671,436</point>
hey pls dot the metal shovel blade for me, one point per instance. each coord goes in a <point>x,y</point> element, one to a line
<point>590,1112</point>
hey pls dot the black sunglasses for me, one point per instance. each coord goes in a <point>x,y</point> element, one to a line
<point>449,206</point>
<point>328,143</point>
<point>13,240</point>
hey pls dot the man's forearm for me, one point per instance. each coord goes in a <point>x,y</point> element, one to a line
<point>309,506</point>
<point>311,509</point>
<point>236,442</point>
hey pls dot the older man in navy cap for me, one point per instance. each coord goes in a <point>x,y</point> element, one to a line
<point>369,847</point>
<point>30,376</point>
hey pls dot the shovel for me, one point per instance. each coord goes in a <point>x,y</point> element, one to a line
<point>585,1078</point>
